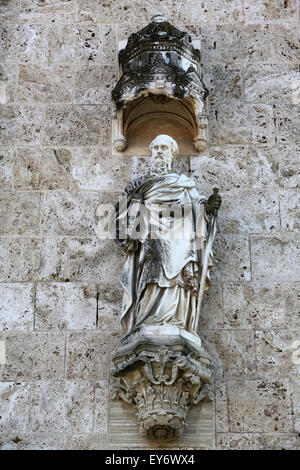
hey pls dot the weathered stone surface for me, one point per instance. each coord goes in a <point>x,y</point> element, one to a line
<point>37,264</point>
<point>94,83</point>
<point>236,43</point>
<point>7,43</point>
<point>249,211</point>
<point>211,12</point>
<point>92,441</point>
<point>48,11</point>
<point>246,166</point>
<point>224,83</point>
<point>65,306</point>
<point>8,118</point>
<point>232,352</point>
<point>6,167</point>
<point>241,124</point>
<point>83,44</point>
<point>270,83</point>
<point>275,258</point>
<point>8,83</point>
<point>30,441</point>
<point>14,266</point>
<point>19,212</point>
<point>14,406</point>
<point>74,124</point>
<point>30,125</point>
<point>295,391</point>
<point>69,213</point>
<point>54,267</point>
<point>254,305</point>
<point>290,167</point>
<point>72,43</point>
<point>222,423</point>
<point>93,171</point>
<point>141,12</point>
<point>258,10</point>
<point>277,353</point>
<point>285,41</point>
<point>23,43</point>
<point>288,123</point>
<point>33,356</point>
<point>259,406</point>
<point>279,441</point>
<point>109,306</point>
<point>16,306</point>
<point>60,406</point>
<point>9,12</point>
<point>273,165</point>
<point>96,260</point>
<point>110,197</point>
<point>225,168</point>
<point>232,258</point>
<point>84,167</point>
<point>238,441</point>
<point>290,209</point>
<point>45,84</point>
<point>101,406</point>
<point>109,50</point>
<point>97,11</point>
<point>211,315</point>
<point>38,168</point>
<point>89,354</point>
<point>292,298</point>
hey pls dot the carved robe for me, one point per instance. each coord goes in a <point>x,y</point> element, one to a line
<point>163,265</point>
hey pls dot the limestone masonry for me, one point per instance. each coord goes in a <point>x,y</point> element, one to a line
<point>60,293</point>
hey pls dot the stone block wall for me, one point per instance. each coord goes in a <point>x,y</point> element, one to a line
<point>60,295</point>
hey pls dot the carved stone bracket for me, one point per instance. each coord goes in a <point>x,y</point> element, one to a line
<point>162,63</point>
<point>163,371</point>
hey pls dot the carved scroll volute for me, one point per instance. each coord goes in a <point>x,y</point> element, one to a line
<point>162,382</point>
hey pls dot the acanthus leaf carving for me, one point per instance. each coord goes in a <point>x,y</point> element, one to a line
<point>163,383</point>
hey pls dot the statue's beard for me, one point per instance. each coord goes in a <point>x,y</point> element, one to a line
<point>160,170</point>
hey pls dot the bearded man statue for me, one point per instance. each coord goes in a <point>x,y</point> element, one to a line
<point>168,233</point>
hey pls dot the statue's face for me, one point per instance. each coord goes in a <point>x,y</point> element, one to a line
<point>162,153</point>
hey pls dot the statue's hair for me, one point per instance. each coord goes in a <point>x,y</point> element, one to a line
<point>174,145</point>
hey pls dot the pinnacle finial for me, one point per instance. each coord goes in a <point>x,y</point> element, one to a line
<point>158,18</point>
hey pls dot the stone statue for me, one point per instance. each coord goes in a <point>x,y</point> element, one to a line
<point>163,266</point>
<point>161,366</point>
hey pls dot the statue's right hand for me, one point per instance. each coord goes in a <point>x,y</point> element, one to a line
<point>129,188</point>
<point>134,185</point>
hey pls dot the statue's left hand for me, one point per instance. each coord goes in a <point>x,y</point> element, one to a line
<point>213,203</point>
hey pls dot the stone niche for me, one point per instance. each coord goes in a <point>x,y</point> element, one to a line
<point>161,393</point>
<point>160,87</point>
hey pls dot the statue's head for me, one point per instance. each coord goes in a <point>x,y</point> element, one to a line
<point>163,148</point>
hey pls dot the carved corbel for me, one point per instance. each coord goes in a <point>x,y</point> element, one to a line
<point>163,382</point>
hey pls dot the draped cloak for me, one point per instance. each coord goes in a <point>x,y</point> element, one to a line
<point>163,263</point>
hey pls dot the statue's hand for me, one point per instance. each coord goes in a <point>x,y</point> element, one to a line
<point>213,203</point>
<point>134,186</point>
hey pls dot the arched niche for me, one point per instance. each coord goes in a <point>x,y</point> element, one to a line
<point>160,90</point>
<point>149,116</point>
